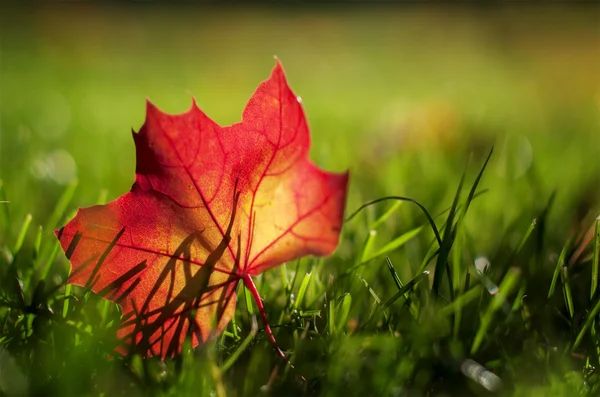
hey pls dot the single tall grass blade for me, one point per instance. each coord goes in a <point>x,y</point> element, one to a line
<point>61,206</point>
<point>302,290</point>
<point>595,259</point>
<point>472,192</point>
<point>525,237</point>
<point>395,276</point>
<point>559,264</point>
<point>394,244</point>
<point>21,235</point>
<point>590,319</point>
<point>568,295</point>
<point>446,245</point>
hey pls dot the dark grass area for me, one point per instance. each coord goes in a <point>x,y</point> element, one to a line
<point>410,99</point>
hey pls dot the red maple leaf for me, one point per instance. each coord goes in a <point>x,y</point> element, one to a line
<point>210,206</point>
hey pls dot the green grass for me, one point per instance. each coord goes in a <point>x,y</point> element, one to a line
<point>410,100</point>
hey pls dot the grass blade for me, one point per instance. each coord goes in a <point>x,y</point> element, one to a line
<point>61,205</point>
<point>37,242</point>
<point>509,282</point>
<point>427,215</point>
<point>446,245</point>
<point>595,255</point>
<point>461,301</point>
<point>343,310</point>
<point>66,301</point>
<point>457,276</point>
<point>405,289</point>
<point>377,300</point>
<point>526,236</point>
<point>21,235</point>
<point>559,265</point>
<point>397,280</point>
<point>48,263</point>
<point>394,244</point>
<point>302,290</point>
<point>368,248</point>
<point>243,346</point>
<point>472,194</point>
<point>384,217</point>
<point>564,274</point>
<point>591,317</point>
<point>331,319</point>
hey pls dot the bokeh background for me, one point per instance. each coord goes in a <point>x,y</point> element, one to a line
<point>404,96</point>
<point>379,84</point>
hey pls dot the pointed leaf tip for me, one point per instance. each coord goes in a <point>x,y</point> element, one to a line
<point>278,69</point>
<point>151,108</point>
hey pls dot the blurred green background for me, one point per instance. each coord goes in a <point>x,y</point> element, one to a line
<point>404,96</point>
<point>379,84</point>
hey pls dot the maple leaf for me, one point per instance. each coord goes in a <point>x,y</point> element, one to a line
<point>211,206</point>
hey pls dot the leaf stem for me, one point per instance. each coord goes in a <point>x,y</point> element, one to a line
<point>249,283</point>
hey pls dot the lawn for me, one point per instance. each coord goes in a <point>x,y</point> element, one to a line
<point>411,101</point>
